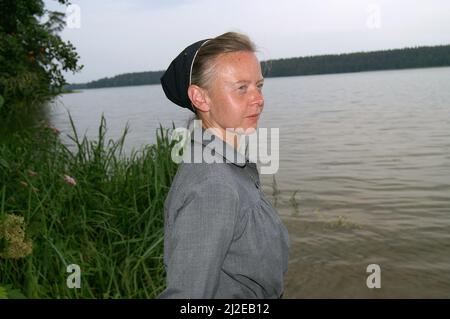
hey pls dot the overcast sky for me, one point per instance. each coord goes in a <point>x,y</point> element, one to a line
<point>114,37</point>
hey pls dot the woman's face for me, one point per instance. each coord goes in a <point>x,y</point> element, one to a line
<point>234,96</point>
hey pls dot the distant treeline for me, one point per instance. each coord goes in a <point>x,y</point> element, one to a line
<point>418,57</point>
<point>126,79</point>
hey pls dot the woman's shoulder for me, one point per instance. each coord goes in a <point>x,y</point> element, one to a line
<point>198,179</point>
<point>204,173</point>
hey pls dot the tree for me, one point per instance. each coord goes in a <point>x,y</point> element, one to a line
<point>32,54</point>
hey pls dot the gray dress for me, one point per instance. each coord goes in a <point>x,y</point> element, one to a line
<point>223,238</point>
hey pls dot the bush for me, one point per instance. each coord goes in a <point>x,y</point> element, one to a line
<point>32,55</point>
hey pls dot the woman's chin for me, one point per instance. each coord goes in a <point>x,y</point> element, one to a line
<point>247,127</point>
<point>252,126</point>
<point>248,130</point>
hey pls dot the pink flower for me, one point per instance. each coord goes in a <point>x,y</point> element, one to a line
<point>54,129</point>
<point>70,180</point>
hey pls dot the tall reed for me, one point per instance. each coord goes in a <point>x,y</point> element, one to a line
<point>95,207</point>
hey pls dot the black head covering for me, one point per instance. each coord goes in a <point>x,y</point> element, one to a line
<point>176,80</point>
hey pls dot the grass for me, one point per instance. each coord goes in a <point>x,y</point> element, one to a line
<point>94,207</point>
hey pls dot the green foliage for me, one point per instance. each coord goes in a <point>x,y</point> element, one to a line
<point>127,79</point>
<point>89,205</point>
<point>32,55</point>
<point>7,292</point>
<point>418,57</point>
<point>3,293</point>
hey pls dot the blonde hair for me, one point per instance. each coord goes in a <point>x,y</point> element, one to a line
<point>203,67</point>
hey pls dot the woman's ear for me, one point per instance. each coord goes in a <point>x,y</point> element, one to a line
<point>198,97</point>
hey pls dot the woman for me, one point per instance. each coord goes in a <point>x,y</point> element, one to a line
<point>223,239</point>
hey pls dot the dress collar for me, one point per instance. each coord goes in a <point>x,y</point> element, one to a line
<point>219,146</point>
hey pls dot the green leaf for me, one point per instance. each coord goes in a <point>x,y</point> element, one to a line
<point>15,294</point>
<point>3,293</point>
<point>4,163</point>
<point>3,242</point>
<point>7,292</point>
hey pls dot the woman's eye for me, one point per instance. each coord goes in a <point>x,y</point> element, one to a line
<point>243,88</point>
<point>260,86</point>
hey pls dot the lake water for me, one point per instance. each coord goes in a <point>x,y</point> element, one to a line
<point>364,173</point>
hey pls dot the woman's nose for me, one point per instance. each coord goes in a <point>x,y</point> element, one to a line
<point>258,98</point>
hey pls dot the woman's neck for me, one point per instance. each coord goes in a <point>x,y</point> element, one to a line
<point>229,137</point>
